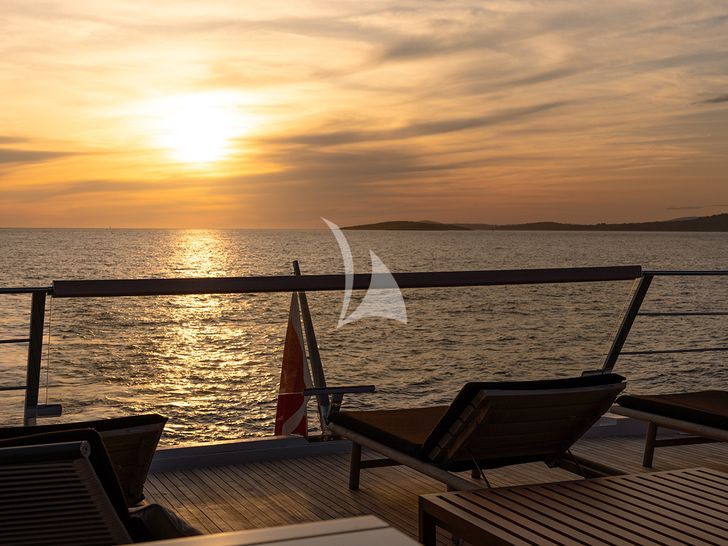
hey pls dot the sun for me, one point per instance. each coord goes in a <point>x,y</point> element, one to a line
<point>198,129</point>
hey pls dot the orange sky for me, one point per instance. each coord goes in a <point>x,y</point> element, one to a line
<point>266,114</point>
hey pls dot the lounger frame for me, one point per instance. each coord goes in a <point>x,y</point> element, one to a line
<point>701,434</point>
<point>493,408</point>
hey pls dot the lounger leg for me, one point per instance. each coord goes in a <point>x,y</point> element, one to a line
<point>650,445</point>
<point>355,466</point>
<point>428,529</point>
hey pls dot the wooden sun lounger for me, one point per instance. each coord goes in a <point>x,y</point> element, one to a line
<point>129,441</point>
<point>702,414</point>
<point>61,488</point>
<point>50,494</point>
<point>488,425</point>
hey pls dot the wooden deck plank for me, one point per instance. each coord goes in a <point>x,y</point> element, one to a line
<point>309,489</point>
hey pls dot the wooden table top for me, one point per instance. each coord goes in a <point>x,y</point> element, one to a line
<point>667,508</point>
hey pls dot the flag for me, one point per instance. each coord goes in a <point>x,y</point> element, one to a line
<point>295,376</point>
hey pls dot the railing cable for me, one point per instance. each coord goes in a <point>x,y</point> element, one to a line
<point>682,313</point>
<point>668,351</point>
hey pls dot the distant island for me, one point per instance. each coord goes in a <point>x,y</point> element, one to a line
<point>717,222</point>
<point>404,225</point>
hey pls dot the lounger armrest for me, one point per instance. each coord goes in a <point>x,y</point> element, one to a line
<point>340,390</point>
<point>337,394</point>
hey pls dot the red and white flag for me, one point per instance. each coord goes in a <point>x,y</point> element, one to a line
<point>295,376</point>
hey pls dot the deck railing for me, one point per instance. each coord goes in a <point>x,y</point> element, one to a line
<point>314,283</point>
<point>641,287</point>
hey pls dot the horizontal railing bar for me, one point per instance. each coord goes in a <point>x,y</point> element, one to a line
<point>358,281</point>
<point>716,272</point>
<point>683,313</point>
<point>358,389</point>
<point>666,351</point>
<point>14,388</point>
<point>311,283</point>
<point>25,290</point>
<point>21,340</point>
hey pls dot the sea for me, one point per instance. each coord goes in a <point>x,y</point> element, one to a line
<point>211,363</point>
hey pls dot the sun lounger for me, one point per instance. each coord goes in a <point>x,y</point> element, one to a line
<point>487,425</point>
<point>702,414</point>
<point>65,491</point>
<point>130,443</point>
<point>50,494</point>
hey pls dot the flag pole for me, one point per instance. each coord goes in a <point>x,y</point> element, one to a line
<point>295,378</point>
<point>317,370</point>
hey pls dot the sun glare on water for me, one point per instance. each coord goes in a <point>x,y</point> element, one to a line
<point>198,129</point>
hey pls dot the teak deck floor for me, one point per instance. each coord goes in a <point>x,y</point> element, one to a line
<point>280,492</point>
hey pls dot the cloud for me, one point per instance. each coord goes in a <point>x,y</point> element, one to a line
<point>418,129</point>
<point>716,100</point>
<point>82,189</point>
<point>5,139</point>
<point>15,156</point>
<point>698,207</point>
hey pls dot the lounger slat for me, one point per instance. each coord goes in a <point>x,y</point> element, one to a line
<point>701,491</point>
<point>542,516</point>
<point>516,523</point>
<point>594,521</point>
<point>552,515</point>
<point>672,523</point>
<point>664,513</point>
<point>699,515</point>
<point>73,508</point>
<point>658,489</point>
<point>602,516</point>
<point>696,483</point>
<point>471,527</point>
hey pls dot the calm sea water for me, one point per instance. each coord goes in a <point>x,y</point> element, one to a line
<point>212,363</point>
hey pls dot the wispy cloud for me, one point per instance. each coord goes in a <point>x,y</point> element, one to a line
<point>417,129</point>
<point>5,139</point>
<point>716,100</point>
<point>699,207</point>
<point>16,156</point>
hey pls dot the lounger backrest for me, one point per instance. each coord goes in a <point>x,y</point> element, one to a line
<point>130,443</point>
<point>49,494</point>
<point>99,459</point>
<point>508,423</point>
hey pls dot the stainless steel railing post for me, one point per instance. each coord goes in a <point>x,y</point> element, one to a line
<point>638,296</point>
<point>35,352</point>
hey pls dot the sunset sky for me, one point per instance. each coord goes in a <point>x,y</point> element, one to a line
<point>274,114</point>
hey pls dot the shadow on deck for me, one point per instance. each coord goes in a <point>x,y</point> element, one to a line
<point>279,492</point>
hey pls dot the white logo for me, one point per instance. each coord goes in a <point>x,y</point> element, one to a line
<point>382,299</point>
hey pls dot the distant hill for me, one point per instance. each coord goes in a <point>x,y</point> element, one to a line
<point>403,225</point>
<point>717,222</point>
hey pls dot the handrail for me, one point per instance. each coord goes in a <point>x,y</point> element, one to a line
<point>311,283</point>
<point>687,272</point>
<point>25,290</point>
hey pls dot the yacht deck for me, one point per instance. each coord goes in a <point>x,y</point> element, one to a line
<point>285,491</point>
